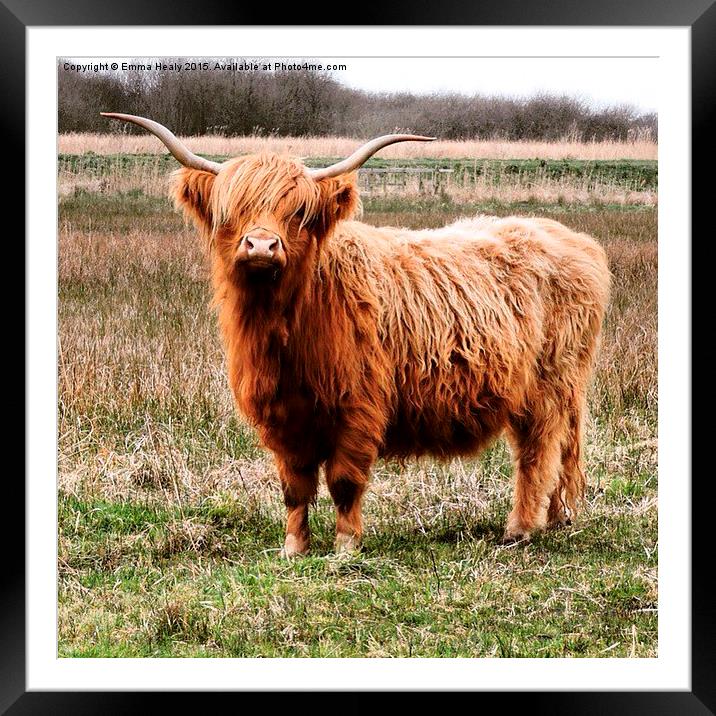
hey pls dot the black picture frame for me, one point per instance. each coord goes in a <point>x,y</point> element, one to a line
<point>699,15</point>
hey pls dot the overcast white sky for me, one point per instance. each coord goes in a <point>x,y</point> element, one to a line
<point>601,81</point>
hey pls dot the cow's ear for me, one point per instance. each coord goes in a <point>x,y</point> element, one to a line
<point>339,200</point>
<point>191,191</point>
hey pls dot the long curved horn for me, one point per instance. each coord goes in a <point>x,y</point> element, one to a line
<point>180,152</point>
<point>362,154</point>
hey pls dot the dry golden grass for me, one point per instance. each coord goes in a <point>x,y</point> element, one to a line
<point>539,188</point>
<point>138,347</point>
<point>121,143</point>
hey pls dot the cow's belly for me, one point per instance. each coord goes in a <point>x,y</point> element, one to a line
<point>444,432</point>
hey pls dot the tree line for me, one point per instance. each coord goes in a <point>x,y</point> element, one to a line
<point>306,102</point>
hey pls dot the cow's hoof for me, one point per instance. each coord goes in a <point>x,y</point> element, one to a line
<point>562,520</point>
<point>515,534</point>
<point>516,530</point>
<point>346,543</point>
<point>294,547</point>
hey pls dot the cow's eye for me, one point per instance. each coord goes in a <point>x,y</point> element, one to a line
<point>299,213</point>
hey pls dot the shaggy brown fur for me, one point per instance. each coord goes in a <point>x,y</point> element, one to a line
<point>387,342</point>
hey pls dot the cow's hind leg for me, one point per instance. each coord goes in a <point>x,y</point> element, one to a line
<point>299,485</point>
<point>558,515</point>
<point>347,473</point>
<point>537,442</point>
<point>569,493</point>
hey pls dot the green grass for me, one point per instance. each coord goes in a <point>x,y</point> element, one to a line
<point>126,211</point>
<point>452,592</point>
<point>641,174</point>
<point>170,513</point>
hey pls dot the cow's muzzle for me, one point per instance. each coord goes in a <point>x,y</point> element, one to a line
<point>261,249</point>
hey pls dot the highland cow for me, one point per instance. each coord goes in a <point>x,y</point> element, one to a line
<point>346,342</point>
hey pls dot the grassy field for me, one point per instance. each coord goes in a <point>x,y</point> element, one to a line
<point>121,142</point>
<point>170,514</point>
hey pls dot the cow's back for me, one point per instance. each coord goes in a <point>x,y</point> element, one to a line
<point>469,316</point>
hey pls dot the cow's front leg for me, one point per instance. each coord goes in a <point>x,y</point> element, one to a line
<point>347,473</point>
<point>299,485</point>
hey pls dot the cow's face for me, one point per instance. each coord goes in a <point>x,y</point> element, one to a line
<point>264,214</point>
